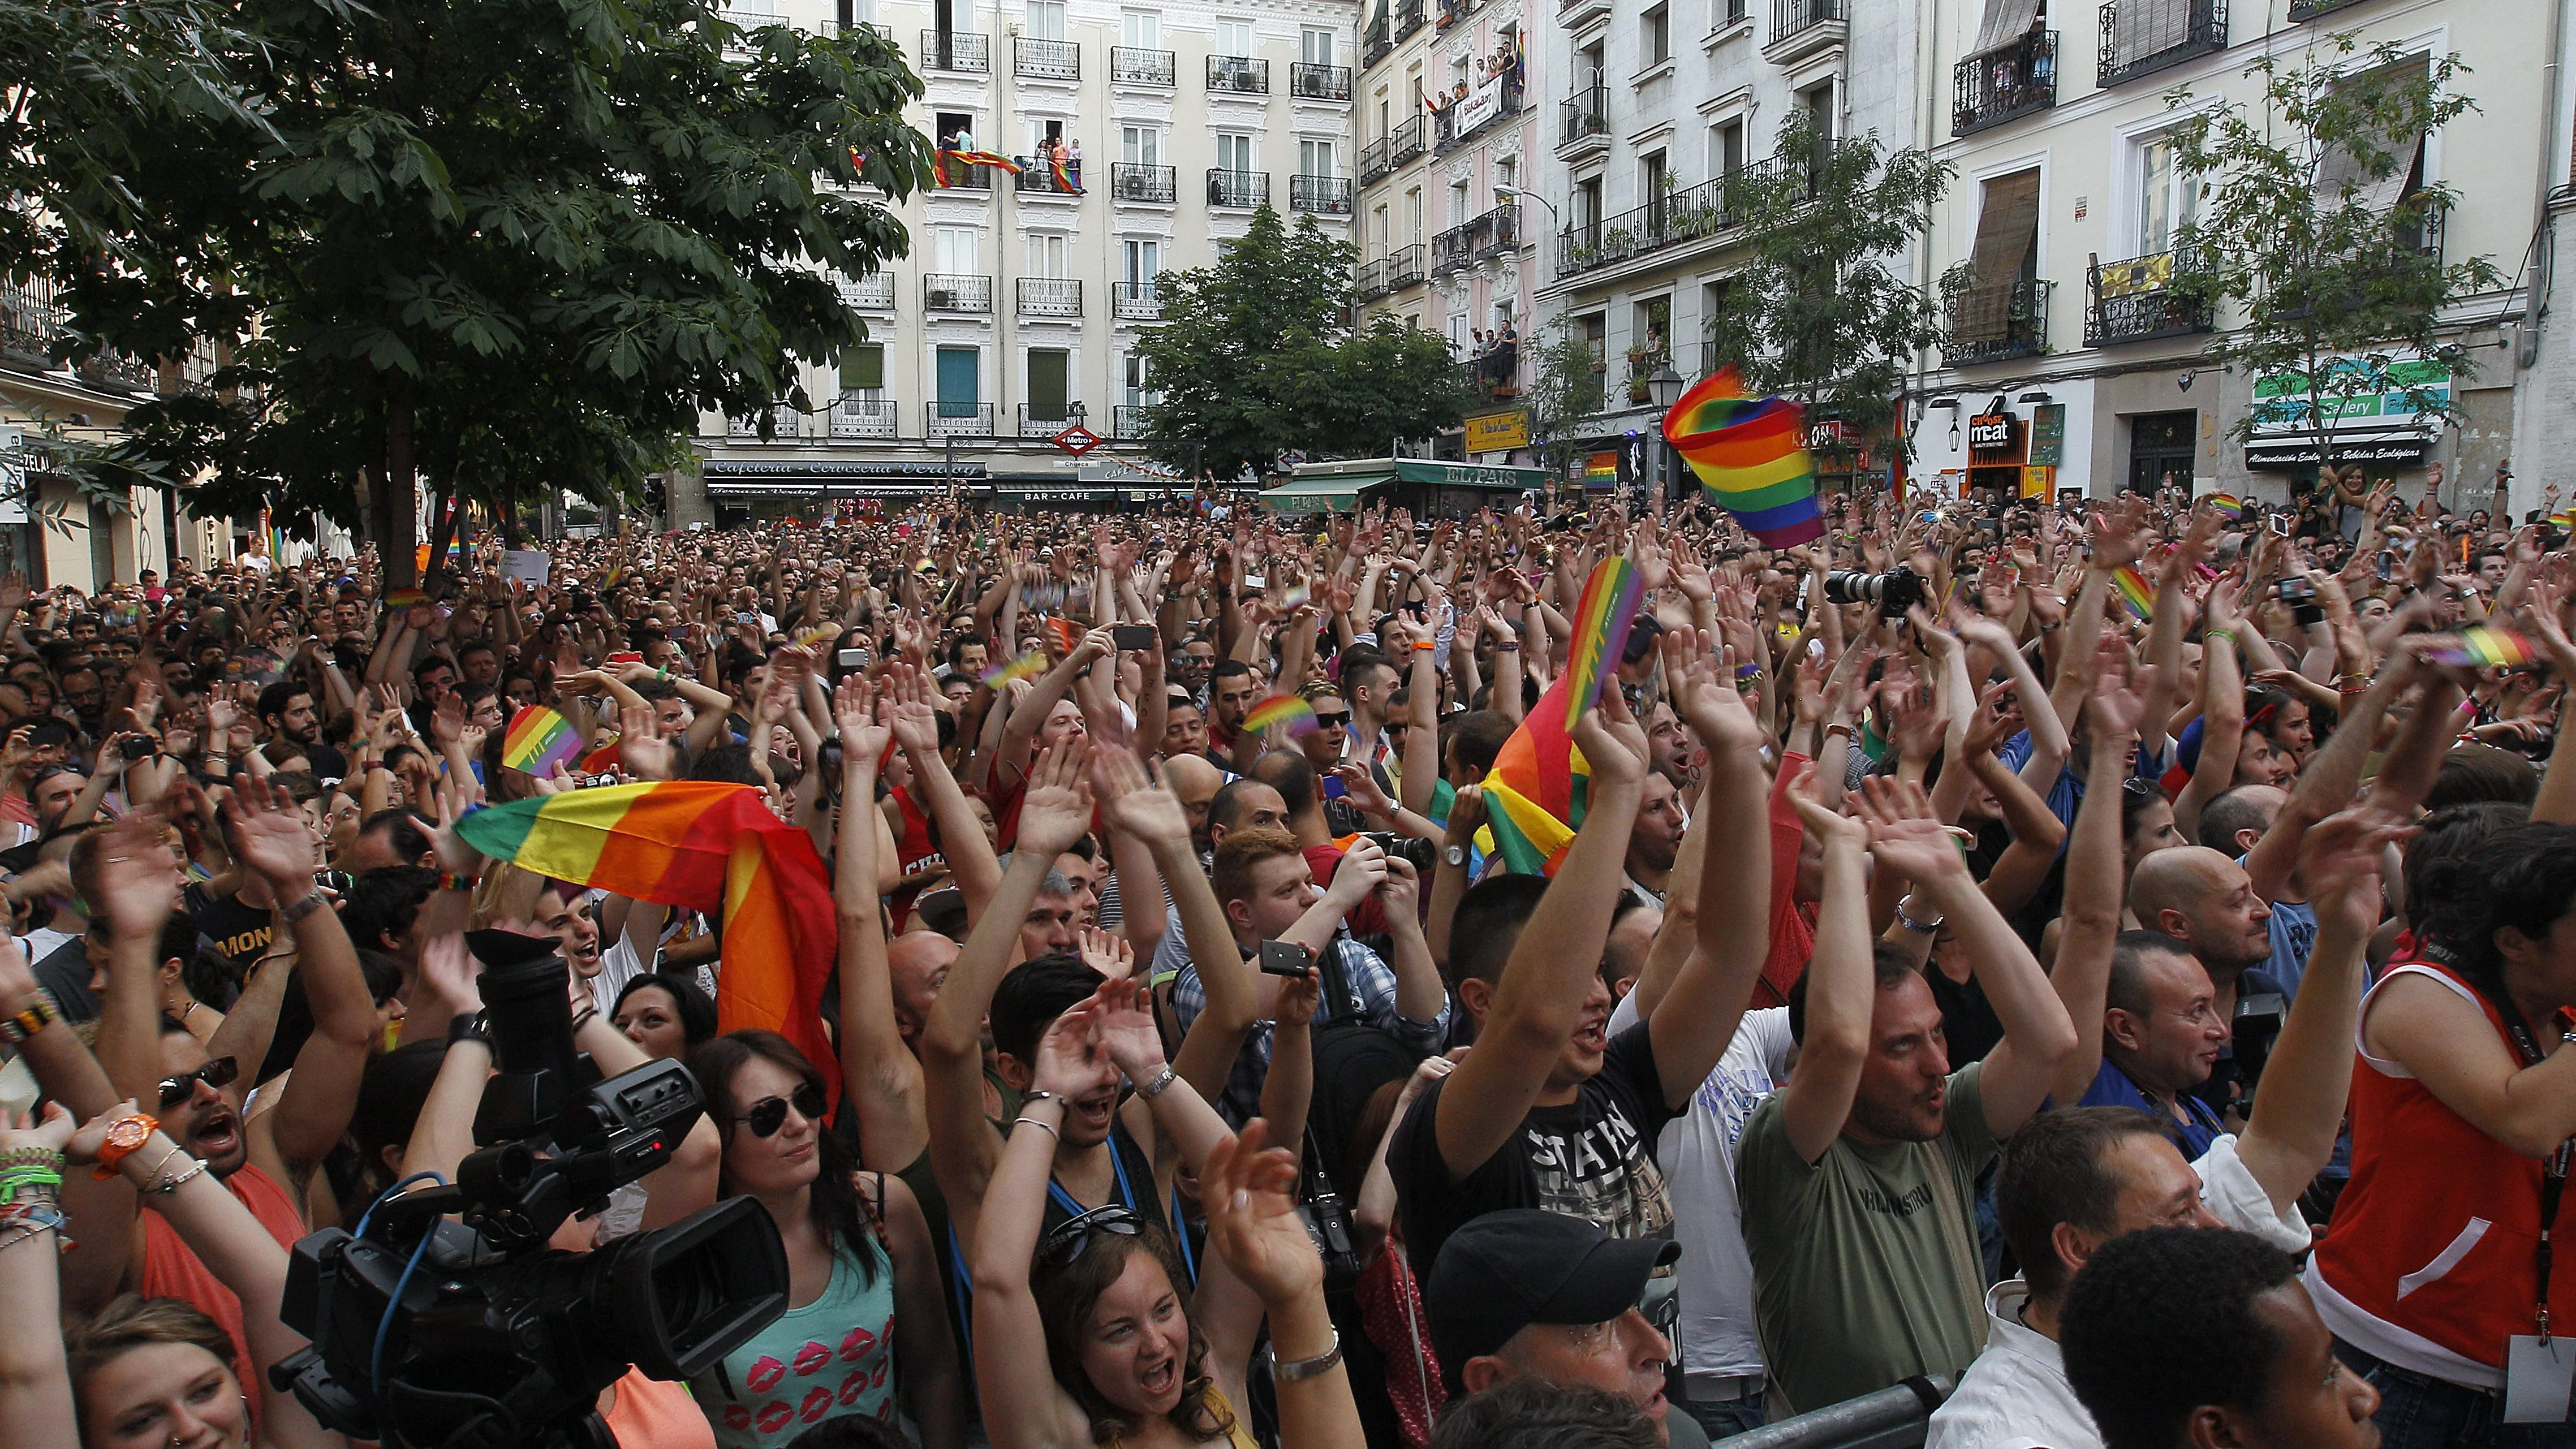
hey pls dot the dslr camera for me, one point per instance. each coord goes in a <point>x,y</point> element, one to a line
<point>470,1333</point>
<point>1894,592</point>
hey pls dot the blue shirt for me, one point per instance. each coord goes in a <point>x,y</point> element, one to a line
<point>2112,1088</point>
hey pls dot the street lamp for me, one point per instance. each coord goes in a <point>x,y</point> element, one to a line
<point>1533,196</point>
<point>1663,389</point>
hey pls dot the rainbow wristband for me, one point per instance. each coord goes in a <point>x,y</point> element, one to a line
<point>17,1180</point>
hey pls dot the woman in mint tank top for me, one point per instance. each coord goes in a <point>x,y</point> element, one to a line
<point>864,1291</point>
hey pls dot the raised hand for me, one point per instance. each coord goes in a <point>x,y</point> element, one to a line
<point>1107,953</point>
<point>1134,801</point>
<point>1612,741</point>
<point>1070,1053</point>
<point>1904,835</point>
<point>645,754</point>
<point>1360,787</point>
<point>270,836</point>
<point>1249,1190</point>
<point>2120,690</point>
<point>1704,693</point>
<point>863,739</point>
<point>1055,811</point>
<point>1123,1013</point>
<point>135,886</point>
<point>1824,822</point>
<point>905,706</point>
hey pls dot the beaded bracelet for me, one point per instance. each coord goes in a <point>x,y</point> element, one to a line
<point>30,1157</point>
<point>29,1218</point>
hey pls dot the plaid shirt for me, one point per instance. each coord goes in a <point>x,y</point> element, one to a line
<point>1372,984</point>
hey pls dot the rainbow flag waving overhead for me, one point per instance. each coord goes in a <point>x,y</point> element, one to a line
<point>1534,797</point>
<point>703,846</point>
<point>1601,620</point>
<point>1752,455</point>
<point>538,740</point>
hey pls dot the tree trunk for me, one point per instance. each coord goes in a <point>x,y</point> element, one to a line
<point>397,495</point>
<point>509,513</point>
<point>448,509</point>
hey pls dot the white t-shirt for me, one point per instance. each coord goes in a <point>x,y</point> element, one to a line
<point>1697,1153</point>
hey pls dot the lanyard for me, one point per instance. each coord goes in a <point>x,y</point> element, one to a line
<point>1126,1197</point>
<point>2553,1169</point>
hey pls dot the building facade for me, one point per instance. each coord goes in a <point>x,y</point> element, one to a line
<point>1146,136</point>
<point>1448,130</point>
<point>2070,355</point>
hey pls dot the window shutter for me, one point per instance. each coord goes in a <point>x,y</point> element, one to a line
<point>2141,28</point>
<point>863,367</point>
<point>2006,21</point>
<point>2007,229</point>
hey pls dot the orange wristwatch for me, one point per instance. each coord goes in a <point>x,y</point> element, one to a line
<point>124,1135</point>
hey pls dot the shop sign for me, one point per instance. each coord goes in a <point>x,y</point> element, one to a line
<point>2048,437</point>
<point>1498,432</point>
<point>1992,432</point>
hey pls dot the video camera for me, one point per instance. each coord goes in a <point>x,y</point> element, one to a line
<point>1894,592</point>
<point>432,1333</point>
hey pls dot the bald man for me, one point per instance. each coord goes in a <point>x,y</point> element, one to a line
<point>2205,900</point>
<point>1194,782</point>
<point>918,961</point>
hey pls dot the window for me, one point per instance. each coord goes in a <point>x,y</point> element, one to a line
<point>1654,183</point>
<point>1140,30</point>
<point>1139,385</point>
<point>1143,257</point>
<point>1383,129</point>
<point>1596,338</point>
<point>2006,255</point>
<point>1140,145</point>
<point>952,250</point>
<point>1657,41</point>
<point>1048,369</point>
<point>1234,37</point>
<point>1726,148</point>
<point>1233,151</point>
<point>863,369</point>
<point>1507,176</point>
<point>1413,215</point>
<point>960,381</point>
<point>1458,204</point>
<point>1458,331</point>
<point>1315,158</point>
<point>2340,169</point>
<point>1586,202</point>
<point>2168,199</point>
<point>1381,239</point>
<point>1043,135</point>
<point>1046,20</point>
<point>1588,69</point>
<point>955,130</point>
<point>1819,102</point>
<point>1651,330</point>
<point>1046,254</point>
<point>1315,47</point>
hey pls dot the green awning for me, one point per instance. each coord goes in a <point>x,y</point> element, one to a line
<point>1320,494</point>
<point>1471,475</point>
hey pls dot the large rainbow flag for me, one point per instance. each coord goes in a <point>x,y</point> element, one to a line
<point>1534,797</point>
<point>702,846</point>
<point>1752,456</point>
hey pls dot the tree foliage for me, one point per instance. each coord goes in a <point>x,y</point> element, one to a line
<point>1565,387</point>
<point>1820,310</point>
<point>1258,357</point>
<point>2332,283</point>
<point>501,248</point>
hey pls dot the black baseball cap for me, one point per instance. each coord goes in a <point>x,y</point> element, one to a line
<point>1508,1269</point>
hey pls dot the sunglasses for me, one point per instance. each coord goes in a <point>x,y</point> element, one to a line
<point>1060,1248</point>
<point>1332,721</point>
<point>217,1074</point>
<point>770,1113</point>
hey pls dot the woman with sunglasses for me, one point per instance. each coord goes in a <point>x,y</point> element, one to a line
<point>863,1283</point>
<point>1130,1362</point>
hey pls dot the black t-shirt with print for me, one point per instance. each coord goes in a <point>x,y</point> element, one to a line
<point>1592,1158</point>
<point>238,933</point>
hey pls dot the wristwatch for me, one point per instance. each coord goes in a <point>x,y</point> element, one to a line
<point>470,1026</point>
<point>1455,855</point>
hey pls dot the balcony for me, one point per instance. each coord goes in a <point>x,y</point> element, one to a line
<point>1404,267</point>
<point>1495,233</point>
<point>1374,46</point>
<point>29,319</point>
<point>1990,89</point>
<point>854,29</point>
<point>1038,174</point>
<point>1129,421</point>
<point>1319,82</point>
<point>1575,14</point>
<point>956,50</point>
<point>863,417</point>
<point>1373,161</point>
<point>1369,283</point>
<point>1325,195</point>
<point>2318,9</point>
<point>871,293</point>
<point>1036,424</point>
<point>956,420</point>
<point>1991,323</point>
<point>1445,13</point>
<point>1689,214</point>
<point>1800,28</point>
<point>1135,302</point>
<point>1239,75</point>
<point>2140,38</point>
<point>1408,19</point>
<point>1047,59</point>
<point>1238,188</point>
<point>1129,66</point>
<point>2135,301</point>
<point>1448,251</point>
<point>944,293</point>
<point>1050,296</point>
<point>1130,181</point>
<point>956,175</point>
<point>1584,119</point>
<point>1449,128</point>
<point>1405,142</point>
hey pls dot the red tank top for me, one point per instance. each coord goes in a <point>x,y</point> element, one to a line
<point>2433,1246</point>
<point>171,1270</point>
<point>913,850</point>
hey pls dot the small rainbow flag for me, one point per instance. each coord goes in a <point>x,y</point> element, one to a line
<point>538,740</point>
<point>1601,620</point>
<point>1751,455</point>
<point>603,760</point>
<point>2135,596</point>
<point>1601,472</point>
<point>2482,646</point>
<point>705,846</point>
<point>1027,666</point>
<point>1281,709</point>
<point>1535,794</point>
<point>404,599</point>
<point>2564,518</point>
<point>2228,504</point>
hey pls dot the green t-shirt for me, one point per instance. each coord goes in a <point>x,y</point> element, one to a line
<point>1865,1266</point>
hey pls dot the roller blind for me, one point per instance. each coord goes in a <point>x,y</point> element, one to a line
<point>2006,21</point>
<point>2007,229</point>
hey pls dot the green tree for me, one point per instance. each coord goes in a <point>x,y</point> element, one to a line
<point>502,248</point>
<point>1259,356</point>
<point>1820,310</point>
<point>2316,221</point>
<point>1565,387</point>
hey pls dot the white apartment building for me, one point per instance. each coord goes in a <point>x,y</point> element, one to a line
<point>1017,313</point>
<point>1660,103</point>
<point>2068,198</point>
<point>1448,132</point>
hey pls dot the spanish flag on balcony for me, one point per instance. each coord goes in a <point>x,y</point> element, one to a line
<point>939,163</point>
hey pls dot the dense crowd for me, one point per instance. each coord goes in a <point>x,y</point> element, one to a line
<point>2102,962</point>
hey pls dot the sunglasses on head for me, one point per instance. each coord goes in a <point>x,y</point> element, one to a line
<point>217,1074</point>
<point>770,1113</point>
<point>1061,1247</point>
